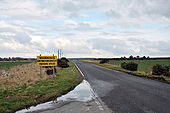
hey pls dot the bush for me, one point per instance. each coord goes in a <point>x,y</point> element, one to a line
<point>129,66</point>
<point>62,63</point>
<point>123,65</point>
<point>104,61</point>
<point>65,59</point>
<point>160,70</point>
<point>50,71</point>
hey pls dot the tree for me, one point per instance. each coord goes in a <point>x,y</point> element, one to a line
<point>144,57</point>
<point>131,57</point>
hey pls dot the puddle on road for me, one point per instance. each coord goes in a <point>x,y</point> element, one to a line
<point>83,92</point>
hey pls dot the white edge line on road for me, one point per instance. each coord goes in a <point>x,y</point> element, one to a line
<point>79,69</point>
<point>102,104</point>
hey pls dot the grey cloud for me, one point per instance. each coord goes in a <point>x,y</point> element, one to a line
<point>122,33</point>
<point>128,47</point>
<point>158,7</point>
<point>122,13</point>
<point>115,46</point>
<point>84,27</point>
<point>113,14</point>
<point>146,46</point>
<point>19,36</point>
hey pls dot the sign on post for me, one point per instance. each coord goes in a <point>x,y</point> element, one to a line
<point>47,60</point>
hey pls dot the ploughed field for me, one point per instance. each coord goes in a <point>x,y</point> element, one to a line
<point>143,65</point>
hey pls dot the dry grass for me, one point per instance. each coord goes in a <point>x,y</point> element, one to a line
<point>22,75</point>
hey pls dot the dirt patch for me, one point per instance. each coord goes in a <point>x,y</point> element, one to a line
<point>22,75</point>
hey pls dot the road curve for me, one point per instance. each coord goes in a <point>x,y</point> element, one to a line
<point>124,93</point>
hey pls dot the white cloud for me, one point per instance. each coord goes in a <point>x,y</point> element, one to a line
<point>85,28</point>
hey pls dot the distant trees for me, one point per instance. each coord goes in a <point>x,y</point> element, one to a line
<point>138,58</point>
<point>131,57</point>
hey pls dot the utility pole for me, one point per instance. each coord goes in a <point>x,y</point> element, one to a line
<point>58,54</point>
<point>53,70</point>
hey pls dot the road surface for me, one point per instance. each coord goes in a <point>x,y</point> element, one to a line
<point>124,93</point>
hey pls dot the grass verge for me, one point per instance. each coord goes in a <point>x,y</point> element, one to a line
<point>41,91</point>
<point>135,73</point>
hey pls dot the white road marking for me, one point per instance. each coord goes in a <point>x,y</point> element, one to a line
<point>79,70</point>
<point>97,100</point>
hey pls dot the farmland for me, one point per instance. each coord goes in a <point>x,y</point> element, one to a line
<point>11,64</point>
<point>143,65</point>
<point>20,73</point>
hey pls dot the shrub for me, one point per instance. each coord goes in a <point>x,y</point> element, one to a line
<point>62,63</point>
<point>65,59</point>
<point>123,65</point>
<point>160,70</point>
<point>50,71</point>
<point>104,61</point>
<point>130,66</point>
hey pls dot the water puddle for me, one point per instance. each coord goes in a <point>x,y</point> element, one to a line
<point>83,92</point>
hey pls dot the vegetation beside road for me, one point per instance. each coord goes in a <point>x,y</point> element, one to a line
<point>24,96</point>
<point>136,73</point>
<point>143,65</point>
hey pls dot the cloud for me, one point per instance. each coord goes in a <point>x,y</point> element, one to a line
<point>88,28</point>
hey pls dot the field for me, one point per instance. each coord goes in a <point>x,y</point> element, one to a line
<point>143,65</point>
<point>11,64</point>
<point>12,99</point>
<point>20,73</point>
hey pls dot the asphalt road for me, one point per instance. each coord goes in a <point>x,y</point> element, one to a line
<point>124,93</point>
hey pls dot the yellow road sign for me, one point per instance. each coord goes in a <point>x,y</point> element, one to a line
<point>47,60</point>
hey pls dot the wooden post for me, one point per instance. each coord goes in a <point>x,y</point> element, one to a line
<point>40,70</point>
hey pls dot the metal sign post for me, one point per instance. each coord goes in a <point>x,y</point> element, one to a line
<point>40,70</point>
<point>53,70</point>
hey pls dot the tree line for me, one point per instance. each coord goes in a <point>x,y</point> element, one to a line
<point>133,58</point>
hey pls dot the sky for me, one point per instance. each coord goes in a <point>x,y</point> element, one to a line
<point>85,28</point>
